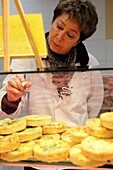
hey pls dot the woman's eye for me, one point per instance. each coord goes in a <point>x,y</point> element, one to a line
<point>60,28</point>
<point>70,36</point>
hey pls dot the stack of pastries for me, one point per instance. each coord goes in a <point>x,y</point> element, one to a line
<point>39,138</point>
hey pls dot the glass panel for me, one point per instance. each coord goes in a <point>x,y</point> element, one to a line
<point>72,95</point>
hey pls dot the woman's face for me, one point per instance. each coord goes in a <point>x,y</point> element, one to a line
<point>64,34</point>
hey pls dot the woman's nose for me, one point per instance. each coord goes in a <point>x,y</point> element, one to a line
<point>60,36</point>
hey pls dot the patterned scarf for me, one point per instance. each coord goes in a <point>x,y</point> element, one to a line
<point>61,79</point>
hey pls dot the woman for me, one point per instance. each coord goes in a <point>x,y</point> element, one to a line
<point>67,96</point>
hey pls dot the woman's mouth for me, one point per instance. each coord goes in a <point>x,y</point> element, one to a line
<point>56,44</point>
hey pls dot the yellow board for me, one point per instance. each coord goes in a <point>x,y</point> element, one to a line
<point>19,43</point>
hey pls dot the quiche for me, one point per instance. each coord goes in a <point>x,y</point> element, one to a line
<point>66,137</point>
<point>38,120</point>
<point>95,128</point>
<point>78,158</point>
<point>51,150</point>
<point>52,136</point>
<point>97,148</point>
<point>23,152</point>
<point>107,119</point>
<point>29,133</point>
<point>54,127</point>
<point>9,143</point>
<point>9,126</point>
<point>78,134</point>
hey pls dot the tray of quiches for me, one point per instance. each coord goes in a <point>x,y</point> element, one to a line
<point>35,140</point>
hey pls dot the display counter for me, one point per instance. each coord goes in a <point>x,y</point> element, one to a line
<point>45,88</point>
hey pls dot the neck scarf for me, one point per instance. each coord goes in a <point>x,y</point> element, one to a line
<point>61,79</point>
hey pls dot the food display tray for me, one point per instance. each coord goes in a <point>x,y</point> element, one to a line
<point>65,165</point>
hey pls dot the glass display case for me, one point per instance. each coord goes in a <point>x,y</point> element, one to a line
<point>47,94</point>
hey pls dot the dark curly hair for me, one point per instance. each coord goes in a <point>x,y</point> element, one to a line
<point>82,10</point>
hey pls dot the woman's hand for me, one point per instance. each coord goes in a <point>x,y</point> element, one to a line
<point>16,88</point>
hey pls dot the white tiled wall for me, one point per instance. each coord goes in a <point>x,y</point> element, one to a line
<point>101,48</point>
<point>97,44</point>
